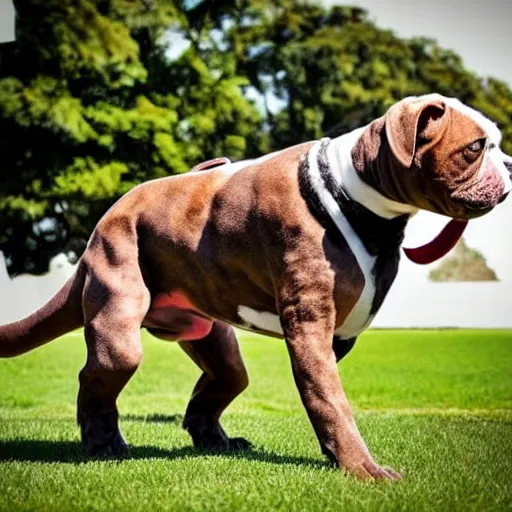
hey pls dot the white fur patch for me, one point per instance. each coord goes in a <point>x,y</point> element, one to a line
<point>477,117</point>
<point>359,318</point>
<point>260,320</point>
<point>498,158</point>
<point>339,154</point>
<point>233,167</point>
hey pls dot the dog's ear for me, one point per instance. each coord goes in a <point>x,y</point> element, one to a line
<point>413,121</point>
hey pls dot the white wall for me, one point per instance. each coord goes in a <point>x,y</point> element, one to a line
<point>414,301</point>
<point>6,21</point>
<point>470,305</point>
<point>25,293</point>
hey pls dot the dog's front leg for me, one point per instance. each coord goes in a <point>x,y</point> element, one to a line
<point>308,326</point>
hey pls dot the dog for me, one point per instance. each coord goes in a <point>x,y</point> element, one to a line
<point>302,243</point>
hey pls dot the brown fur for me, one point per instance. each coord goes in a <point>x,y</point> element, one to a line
<point>183,253</point>
<point>434,170</point>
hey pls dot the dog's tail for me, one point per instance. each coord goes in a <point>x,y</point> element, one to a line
<point>61,314</point>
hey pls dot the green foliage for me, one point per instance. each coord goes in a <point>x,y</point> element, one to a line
<point>99,95</point>
<point>90,106</point>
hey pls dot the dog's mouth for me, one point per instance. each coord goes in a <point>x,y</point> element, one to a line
<point>441,245</point>
<point>474,208</point>
<point>479,197</point>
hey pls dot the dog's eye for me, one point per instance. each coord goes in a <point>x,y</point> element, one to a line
<point>477,146</point>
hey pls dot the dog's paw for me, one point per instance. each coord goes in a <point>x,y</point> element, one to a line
<point>211,441</point>
<point>206,439</point>
<point>368,470</point>
<point>210,436</point>
<point>115,447</point>
<point>239,444</point>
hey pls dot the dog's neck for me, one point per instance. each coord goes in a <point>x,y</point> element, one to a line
<point>333,191</point>
<point>354,213</point>
<point>366,192</point>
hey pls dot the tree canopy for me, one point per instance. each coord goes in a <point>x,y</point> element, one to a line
<point>99,95</point>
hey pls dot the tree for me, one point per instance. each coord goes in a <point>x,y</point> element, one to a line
<point>330,71</point>
<point>90,106</point>
<point>91,103</point>
<point>463,264</point>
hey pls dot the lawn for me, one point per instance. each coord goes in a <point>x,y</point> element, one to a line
<point>435,405</point>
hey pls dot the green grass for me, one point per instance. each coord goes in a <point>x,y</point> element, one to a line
<point>436,406</point>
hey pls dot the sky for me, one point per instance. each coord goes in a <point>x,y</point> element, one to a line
<point>478,30</point>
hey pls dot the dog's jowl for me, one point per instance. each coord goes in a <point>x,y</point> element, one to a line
<point>302,244</point>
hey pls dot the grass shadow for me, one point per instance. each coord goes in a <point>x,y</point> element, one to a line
<point>154,418</point>
<point>30,450</point>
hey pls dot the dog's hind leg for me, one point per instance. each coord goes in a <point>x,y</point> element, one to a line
<point>224,378</point>
<point>115,302</point>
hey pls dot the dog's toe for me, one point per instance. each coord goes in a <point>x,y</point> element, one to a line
<point>209,440</point>
<point>239,444</point>
<point>116,447</point>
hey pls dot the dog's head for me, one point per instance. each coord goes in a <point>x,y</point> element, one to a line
<point>446,157</point>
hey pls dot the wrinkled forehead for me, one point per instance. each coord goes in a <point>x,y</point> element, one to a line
<point>492,132</point>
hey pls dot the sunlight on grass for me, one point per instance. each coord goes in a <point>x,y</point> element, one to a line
<point>434,405</point>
